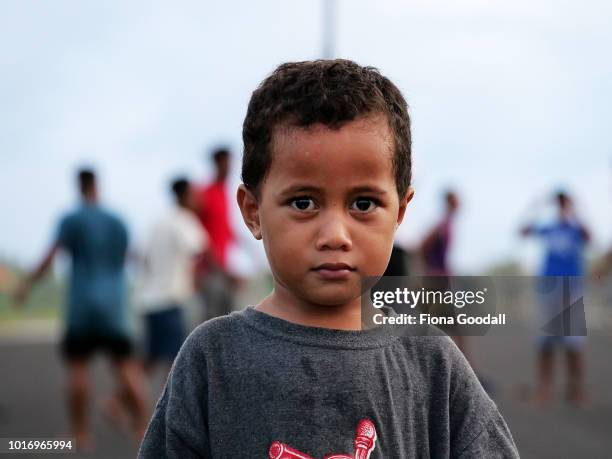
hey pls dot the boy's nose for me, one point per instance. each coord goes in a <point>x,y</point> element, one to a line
<point>333,233</point>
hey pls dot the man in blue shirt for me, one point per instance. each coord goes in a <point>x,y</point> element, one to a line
<point>564,240</point>
<point>96,312</point>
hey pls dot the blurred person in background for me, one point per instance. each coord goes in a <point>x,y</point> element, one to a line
<point>168,276</point>
<point>217,285</point>
<point>434,252</point>
<point>435,246</point>
<point>96,315</point>
<point>564,241</point>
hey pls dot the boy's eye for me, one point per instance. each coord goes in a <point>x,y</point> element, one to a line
<point>364,205</point>
<point>303,204</point>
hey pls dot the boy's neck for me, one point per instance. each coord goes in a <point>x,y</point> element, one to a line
<point>286,306</point>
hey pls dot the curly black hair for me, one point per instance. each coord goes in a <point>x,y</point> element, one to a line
<point>331,92</point>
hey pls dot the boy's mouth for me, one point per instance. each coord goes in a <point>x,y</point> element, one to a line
<point>334,271</point>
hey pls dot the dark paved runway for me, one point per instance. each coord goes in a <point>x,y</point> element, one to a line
<point>32,402</point>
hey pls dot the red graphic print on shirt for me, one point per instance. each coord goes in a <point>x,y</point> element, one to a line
<point>365,437</point>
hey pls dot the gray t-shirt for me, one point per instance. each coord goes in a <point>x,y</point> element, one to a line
<point>250,385</point>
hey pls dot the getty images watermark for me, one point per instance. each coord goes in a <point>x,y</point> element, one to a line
<point>429,299</point>
<point>486,305</point>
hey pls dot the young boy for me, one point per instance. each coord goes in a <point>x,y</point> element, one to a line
<point>326,174</point>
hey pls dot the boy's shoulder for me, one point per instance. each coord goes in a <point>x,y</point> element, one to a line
<point>435,354</point>
<point>438,343</point>
<point>217,330</point>
<point>214,339</point>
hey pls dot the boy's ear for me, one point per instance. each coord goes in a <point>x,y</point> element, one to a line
<point>403,204</point>
<point>249,207</point>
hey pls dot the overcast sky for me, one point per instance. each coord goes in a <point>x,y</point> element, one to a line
<point>509,100</point>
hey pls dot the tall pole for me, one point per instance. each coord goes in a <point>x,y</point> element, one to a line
<point>329,29</point>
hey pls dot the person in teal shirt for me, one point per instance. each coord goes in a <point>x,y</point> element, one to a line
<point>96,315</point>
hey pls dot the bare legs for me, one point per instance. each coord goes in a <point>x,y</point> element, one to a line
<point>78,392</point>
<point>575,366</point>
<point>545,369</point>
<point>129,393</point>
<point>575,376</point>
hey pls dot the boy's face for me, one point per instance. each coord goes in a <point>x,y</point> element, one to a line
<point>328,209</point>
